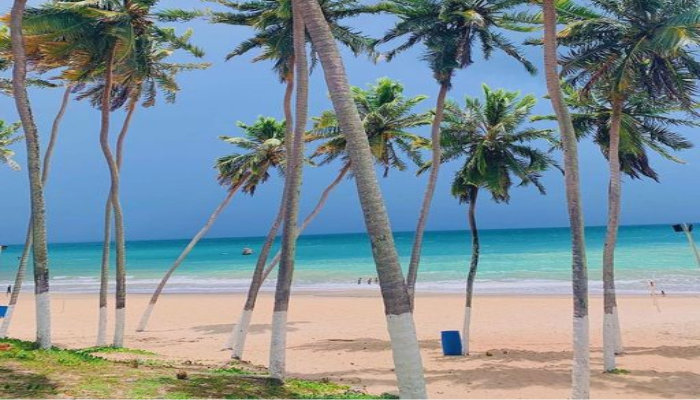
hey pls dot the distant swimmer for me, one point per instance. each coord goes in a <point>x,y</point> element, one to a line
<point>359,281</point>
<point>369,281</point>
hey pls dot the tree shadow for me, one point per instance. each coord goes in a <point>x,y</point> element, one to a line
<point>23,384</point>
<point>254,328</point>
<point>684,352</point>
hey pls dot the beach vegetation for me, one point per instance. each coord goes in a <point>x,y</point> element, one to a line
<point>9,136</point>
<point>623,74</point>
<point>491,140</point>
<point>450,33</point>
<point>618,51</point>
<point>28,372</point>
<point>262,150</point>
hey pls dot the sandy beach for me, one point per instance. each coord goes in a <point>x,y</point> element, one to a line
<point>521,344</point>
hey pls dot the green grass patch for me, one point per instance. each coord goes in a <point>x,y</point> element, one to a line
<point>122,350</point>
<point>618,371</point>
<point>27,372</point>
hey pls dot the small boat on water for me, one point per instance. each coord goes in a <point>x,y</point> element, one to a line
<point>247,251</point>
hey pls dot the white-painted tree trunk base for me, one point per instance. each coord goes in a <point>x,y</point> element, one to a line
<point>119,327</point>
<point>143,322</point>
<point>102,328</point>
<point>6,322</point>
<point>278,345</point>
<point>581,372</point>
<point>619,348</point>
<point>240,333</point>
<point>407,358</point>
<point>465,330</point>
<point>609,335</point>
<point>43,320</point>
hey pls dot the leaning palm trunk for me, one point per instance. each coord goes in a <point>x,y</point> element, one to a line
<point>104,269</point>
<point>19,277</point>
<point>38,210</point>
<point>143,323</point>
<point>240,331</point>
<point>474,192</point>
<point>581,360</point>
<point>397,304</point>
<point>429,193</point>
<point>120,317</point>
<point>610,323</point>
<point>295,163</point>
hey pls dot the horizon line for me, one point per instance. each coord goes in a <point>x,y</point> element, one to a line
<point>348,233</point>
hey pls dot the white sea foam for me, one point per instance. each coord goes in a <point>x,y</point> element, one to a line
<point>191,284</point>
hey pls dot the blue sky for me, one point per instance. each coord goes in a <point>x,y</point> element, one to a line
<point>169,186</point>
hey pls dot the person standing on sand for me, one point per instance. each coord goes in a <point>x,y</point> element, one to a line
<point>9,290</point>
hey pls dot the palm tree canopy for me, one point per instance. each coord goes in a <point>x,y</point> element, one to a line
<point>449,30</point>
<point>263,148</point>
<point>147,73</point>
<point>632,45</point>
<point>387,116</point>
<point>272,22</point>
<point>491,138</point>
<point>8,137</point>
<point>646,124</point>
<point>77,36</point>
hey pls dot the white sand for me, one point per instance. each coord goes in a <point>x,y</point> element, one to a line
<point>344,337</point>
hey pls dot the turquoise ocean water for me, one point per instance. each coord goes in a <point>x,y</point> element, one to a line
<point>513,261</point>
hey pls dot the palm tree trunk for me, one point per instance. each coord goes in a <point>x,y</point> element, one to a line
<point>240,331</point>
<point>429,193</point>
<point>581,360</point>
<point>610,325</point>
<point>397,305</point>
<point>190,246</point>
<point>28,242</point>
<point>104,269</point>
<point>120,317</point>
<point>474,193</point>
<point>295,163</point>
<point>38,210</point>
<point>104,273</point>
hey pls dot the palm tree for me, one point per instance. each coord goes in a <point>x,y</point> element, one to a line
<point>273,24</point>
<point>646,126</point>
<point>397,304</point>
<point>489,136</point>
<point>141,78</point>
<point>37,64</point>
<point>91,39</point>
<point>39,247</point>
<point>8,137</point>
<point>272,20</point>
<point>449,31</point>
<point>581,371</point>
<point>264,143</point>
<point>29,239</point>
<point>292,194</point>
<point>386,115</point>
<point>620,48</point>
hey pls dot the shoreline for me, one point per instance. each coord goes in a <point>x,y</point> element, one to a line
<point>366,294</point>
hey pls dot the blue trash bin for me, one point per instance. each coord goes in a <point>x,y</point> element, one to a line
<point>451,343</point>
<point>3,311</point>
